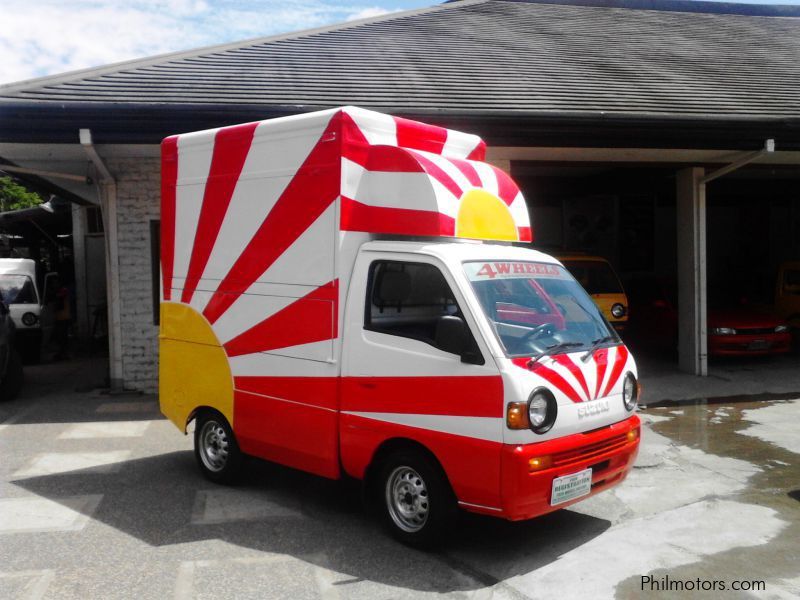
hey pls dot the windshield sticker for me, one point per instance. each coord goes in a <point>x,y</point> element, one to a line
<point>480,271</point>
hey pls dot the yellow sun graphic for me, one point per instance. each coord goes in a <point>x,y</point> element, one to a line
<point>195,373</point>
<point>483,216</point>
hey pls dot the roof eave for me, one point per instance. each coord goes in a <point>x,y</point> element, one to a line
<point>125,123</point>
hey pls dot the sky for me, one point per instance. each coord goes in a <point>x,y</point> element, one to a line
<point>45,37</point>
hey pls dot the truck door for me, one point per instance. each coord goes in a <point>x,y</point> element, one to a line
<point>402,377</point>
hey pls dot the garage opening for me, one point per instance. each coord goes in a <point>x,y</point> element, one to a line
<point>626,214</point>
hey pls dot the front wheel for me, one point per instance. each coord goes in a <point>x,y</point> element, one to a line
<point>418,505</point>
<point>215,448</point>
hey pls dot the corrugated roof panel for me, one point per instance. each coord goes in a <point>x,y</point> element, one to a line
<point>501,55</point>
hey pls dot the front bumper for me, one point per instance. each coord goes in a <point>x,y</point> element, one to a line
<point>749,344</point>
<point>608,451</point>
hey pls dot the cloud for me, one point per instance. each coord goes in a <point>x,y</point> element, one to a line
<point>51,36</point>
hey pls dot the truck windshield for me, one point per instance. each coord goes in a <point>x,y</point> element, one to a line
<point>537,307</point>
<point>17,289</point>
<point>596,276</point>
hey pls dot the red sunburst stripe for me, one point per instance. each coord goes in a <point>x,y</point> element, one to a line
<point>507,190</point>
<point>551,376</point>
<point>619,363</point>
<point>356,216</point>
<point>468,170</point>
<point>411,134</point>
<point>312,318</point>
<point>169,179</point>
<point>292,214</point>
<point>575,370</point>
<point>525,234</point>
<point>391,159</point>
<point>355,146</point>
<point>478,152</point>
<point>558,381</point>
<point>231,146</point>
<point>439,174</point>
<point>601,362</point>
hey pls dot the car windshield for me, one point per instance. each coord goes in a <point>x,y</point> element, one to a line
<point>537,307</point>
<point>596,276</point>
<point>17,289</point>
<point>791,282</point>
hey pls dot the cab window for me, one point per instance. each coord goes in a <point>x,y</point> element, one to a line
<point>408,299</point>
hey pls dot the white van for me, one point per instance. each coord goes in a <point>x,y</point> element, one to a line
<point>19,287</point>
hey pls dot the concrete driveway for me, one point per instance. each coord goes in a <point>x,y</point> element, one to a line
<point>100,498</point>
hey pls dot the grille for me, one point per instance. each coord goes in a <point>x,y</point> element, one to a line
<point>589,451</point>
<point>755,330</point>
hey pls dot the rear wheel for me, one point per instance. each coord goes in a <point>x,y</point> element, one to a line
<point>215,448</point>
<point>418,506</point>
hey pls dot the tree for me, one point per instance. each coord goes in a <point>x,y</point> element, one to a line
<point>14,196</point>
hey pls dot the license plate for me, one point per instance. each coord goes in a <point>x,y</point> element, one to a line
<point>569,487</point>
<point>758,345</point>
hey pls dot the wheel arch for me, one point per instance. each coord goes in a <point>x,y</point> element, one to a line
<point>392,446</point>
<point>195,412</point>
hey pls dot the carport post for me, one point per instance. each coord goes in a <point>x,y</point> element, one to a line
<point>108,207</point>
<point>692,300</point>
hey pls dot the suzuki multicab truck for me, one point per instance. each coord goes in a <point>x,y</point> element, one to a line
<point>340,295</point>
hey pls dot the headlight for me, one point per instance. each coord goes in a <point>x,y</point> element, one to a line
<point>542,410</point>
<point>630,392</point>
<point>723,331</point>
<point>29,319</point>
<point>781,329</point>
<point>618,311</point>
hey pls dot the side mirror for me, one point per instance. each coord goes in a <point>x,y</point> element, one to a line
<point>452,335</point>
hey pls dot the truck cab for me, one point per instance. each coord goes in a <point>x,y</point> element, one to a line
<point>341,295</point>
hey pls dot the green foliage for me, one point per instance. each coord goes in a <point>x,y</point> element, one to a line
<point>13,196</point>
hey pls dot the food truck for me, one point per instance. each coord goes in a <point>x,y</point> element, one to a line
<point>340,294</point>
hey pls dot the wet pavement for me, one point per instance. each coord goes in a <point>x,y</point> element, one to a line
<point>733,377</point>
<point>100,498</point>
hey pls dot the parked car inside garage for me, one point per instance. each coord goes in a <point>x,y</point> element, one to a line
<point>734,328</point>
<point>599,279</point>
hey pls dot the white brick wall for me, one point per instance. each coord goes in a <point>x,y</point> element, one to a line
<point>138,200</point>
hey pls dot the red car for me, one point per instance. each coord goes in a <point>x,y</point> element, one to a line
<point>732,331</point>
<point>741,331</point>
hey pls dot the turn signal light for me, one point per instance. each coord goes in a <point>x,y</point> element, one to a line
<point>517,415</point>
<point>539,463</point>
<point>633,434</point>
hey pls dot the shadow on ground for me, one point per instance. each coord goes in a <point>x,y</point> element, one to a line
<point>153,499</point>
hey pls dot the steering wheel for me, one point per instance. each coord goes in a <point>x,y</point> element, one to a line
<point>544,328</point>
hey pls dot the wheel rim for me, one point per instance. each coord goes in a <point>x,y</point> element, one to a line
<point>213,446</point>
<point>407,499</point>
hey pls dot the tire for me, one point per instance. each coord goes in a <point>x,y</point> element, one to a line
<point>14,377</point>
<point>215,448</point>
<point>418,506</point>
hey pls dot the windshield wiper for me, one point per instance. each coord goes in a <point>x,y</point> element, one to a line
<point>555,348</point>
<point>595,345</point>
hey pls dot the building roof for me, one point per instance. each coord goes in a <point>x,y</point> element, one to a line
<point>575,60</point>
